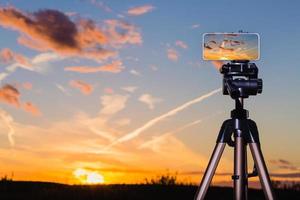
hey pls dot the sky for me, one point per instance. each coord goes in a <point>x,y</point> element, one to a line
<point>117,91</point>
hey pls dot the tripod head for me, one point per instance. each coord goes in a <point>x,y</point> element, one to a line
<point>240,79</point>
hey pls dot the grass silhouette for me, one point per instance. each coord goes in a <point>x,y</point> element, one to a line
<point>164,187</point>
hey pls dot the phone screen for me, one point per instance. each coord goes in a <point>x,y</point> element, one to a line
<point>231,46</point>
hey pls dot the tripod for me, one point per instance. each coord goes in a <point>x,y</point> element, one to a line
<point>244,132</point>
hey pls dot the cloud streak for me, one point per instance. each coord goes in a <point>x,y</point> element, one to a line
<point>130,89</point>
<point>8,120</point>
<point>120,33</point>
<point>152,143</point>
<point>155,120</point>
<point>112,104</point>
<point>31,108</point>
<point>84,87</point>
<point>149,100</point>
<point>181,44</point>
<point>140,10</point>
<point>8,56</point>
<point>172,54</point>
<point>284,164</point>
<point>114,67</point>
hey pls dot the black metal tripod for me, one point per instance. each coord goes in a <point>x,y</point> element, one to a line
<point>244,132</point>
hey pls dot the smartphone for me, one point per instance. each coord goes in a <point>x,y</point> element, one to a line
<point>231,46</point>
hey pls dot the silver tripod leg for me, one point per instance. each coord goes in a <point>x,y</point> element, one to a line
<point>262,170</point>
<point>239,169</point>
<point>246,172</point>
<point>210,170</point>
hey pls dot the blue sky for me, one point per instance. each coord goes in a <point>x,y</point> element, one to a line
<point>168,81</point>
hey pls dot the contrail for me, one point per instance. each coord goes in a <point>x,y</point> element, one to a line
<point>8,120</point>
<point>154,121</point>
<point>147,143</point>
<point>177,130</point>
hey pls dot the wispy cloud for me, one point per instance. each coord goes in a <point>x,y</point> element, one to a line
<point>152,144</point>
<point>14,61</point>
<point>39,63</point>
<point>194,26</point>
<point>172,54</point>
<point>85,88</point>
<point>170,113</point>
<point>9,94</point>
<point>31,108</point>
<point>7,56</point>
<point>120,33</point>
<point>130,89</point>
<point>149,100</point>
<point>113,103</point>
<point>181,44</point>
<point>62,89</point>
<point>101,5</point>
<point>284,164</point>
<point>8,120</point>
<point>114,67</point>
<point>104,134</point>
<point>123,122</point>
<point>140,10</point>
<point>134,72</point>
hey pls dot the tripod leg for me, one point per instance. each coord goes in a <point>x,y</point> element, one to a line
<point>239,176</point>
<point>262,170</point>
<point>246,172</point>
<point>210,170</point>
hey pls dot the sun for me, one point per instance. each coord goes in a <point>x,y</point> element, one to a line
<point>88,177</point>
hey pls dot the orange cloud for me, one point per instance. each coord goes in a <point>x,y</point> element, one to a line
<point>120,33</point>
<point>84,87</point>
<point>52,30</point>
<point>49,27</point>
<point>10,95</point>
<point>8,56</point>
<point>172,55</point>
<point>140,10</point>
<point>114,67</point>
<point>30,108</point>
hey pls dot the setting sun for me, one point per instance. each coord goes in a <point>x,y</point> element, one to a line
<point>88,177</point>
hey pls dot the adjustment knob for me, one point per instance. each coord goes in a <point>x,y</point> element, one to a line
<point>259,85</point>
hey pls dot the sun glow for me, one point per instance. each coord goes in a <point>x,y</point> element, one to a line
<point>88,177</point>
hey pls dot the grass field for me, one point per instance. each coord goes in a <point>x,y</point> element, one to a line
<point>12,190</point>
